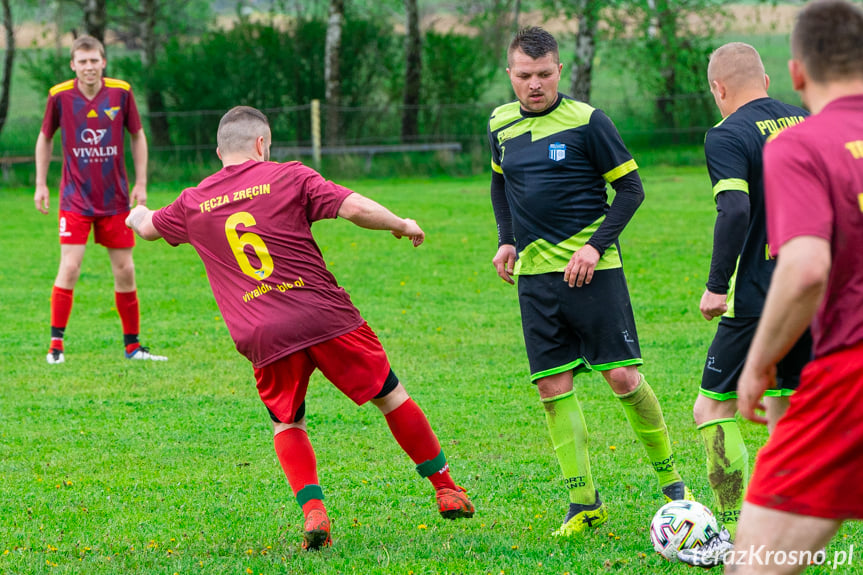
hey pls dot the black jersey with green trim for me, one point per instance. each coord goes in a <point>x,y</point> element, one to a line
<point>556,165</point>
<point>733,149</point>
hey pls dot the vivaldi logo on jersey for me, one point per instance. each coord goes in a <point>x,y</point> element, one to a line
<point>92,137</point>
<point>94,153</point>
<point>556,151</point>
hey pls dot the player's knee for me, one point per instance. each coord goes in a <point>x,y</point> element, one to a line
<point>622,379</point>
<point>124,273</point>
<point>391,395</point>
<point>699,413</point>
<point>279,427</point>
<point>707,409</point>
<point>68,273</point>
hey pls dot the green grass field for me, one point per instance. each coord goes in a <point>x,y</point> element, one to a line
<point>110,466</point>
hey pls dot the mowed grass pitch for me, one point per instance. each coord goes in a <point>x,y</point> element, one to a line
<point>110,466</point>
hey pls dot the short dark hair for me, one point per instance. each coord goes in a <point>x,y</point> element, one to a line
<point>828,40</point>
<point>240,127</point>
<point>535,42</point>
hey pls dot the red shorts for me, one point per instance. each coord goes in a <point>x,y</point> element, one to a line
<point>811,464</point>
<point>354,362</point>
<point>109,231</point>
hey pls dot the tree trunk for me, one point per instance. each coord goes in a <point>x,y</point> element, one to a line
<point>413,73</point>
<point>585,49</point>
<point>7,63</point>
<point>95,18</point>
<point>652,27</point>
<point>160,134</point>
<point>516,16</point>
<point>58,28</point>
<point>666,22</point>
<point>332,78</point>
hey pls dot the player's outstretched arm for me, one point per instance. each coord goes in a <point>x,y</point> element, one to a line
<point>140,219</point>
<point>369,214</point>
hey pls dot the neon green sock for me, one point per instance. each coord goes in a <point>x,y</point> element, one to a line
<point>568,432</point>
<point>727,468</point>
<point>645,417</point>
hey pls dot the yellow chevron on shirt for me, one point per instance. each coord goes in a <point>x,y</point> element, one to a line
<point>62,87</point>
<point>114,83</point>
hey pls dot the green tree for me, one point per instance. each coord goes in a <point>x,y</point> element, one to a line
<point>145,26</point>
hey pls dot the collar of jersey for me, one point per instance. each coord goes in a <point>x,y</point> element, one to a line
<point>549,110</point>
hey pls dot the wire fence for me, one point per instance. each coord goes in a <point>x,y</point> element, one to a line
<point>369,131</point>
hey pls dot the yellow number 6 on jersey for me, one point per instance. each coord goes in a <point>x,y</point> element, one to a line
<point>239,242</point>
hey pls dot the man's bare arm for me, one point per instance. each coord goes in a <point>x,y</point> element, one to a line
<point>140,219</point>
<point>369,214</point>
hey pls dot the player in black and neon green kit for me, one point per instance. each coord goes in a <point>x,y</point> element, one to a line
<point>552,157</point>
<point>740,272</point>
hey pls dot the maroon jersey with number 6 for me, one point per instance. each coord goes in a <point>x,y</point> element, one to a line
<point>251,226</point>
<point>94,181</point>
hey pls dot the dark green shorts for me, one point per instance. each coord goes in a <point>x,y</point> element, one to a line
<point>727,354</point>
<point>578,328</point>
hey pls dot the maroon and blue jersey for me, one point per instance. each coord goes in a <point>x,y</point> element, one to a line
<point>94,181</point>
<point>251,226</point>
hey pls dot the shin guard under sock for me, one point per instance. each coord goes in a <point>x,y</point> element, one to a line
<point>568,432</point>
<point>414,434</point>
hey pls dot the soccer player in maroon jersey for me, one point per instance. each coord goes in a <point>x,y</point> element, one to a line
<point>92,113</point>
<point>251,225</point>
<point>807,479</point>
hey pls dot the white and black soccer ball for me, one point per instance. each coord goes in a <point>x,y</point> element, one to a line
<point>681,525</point>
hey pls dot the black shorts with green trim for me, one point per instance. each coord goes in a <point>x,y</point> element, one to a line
<point>577,328</point>
<point>727,354</point>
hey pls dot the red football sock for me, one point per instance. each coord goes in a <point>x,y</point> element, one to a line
<point>412,430</point>
<point>130,318</point>
<point>297,457</point>
<point>61,309</point>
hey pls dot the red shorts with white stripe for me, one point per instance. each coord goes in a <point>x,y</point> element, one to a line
<point>812,463</point>
<point>354,362</point>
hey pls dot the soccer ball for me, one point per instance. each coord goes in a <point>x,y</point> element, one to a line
<point>681,525</point>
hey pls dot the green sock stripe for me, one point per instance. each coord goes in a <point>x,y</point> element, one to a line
<point>557,397</point>
<point>716,422</point>
<point>432,466</point>
<point>308,493</point>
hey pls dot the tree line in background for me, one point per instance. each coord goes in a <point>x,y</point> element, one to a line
<point>378,75</point>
